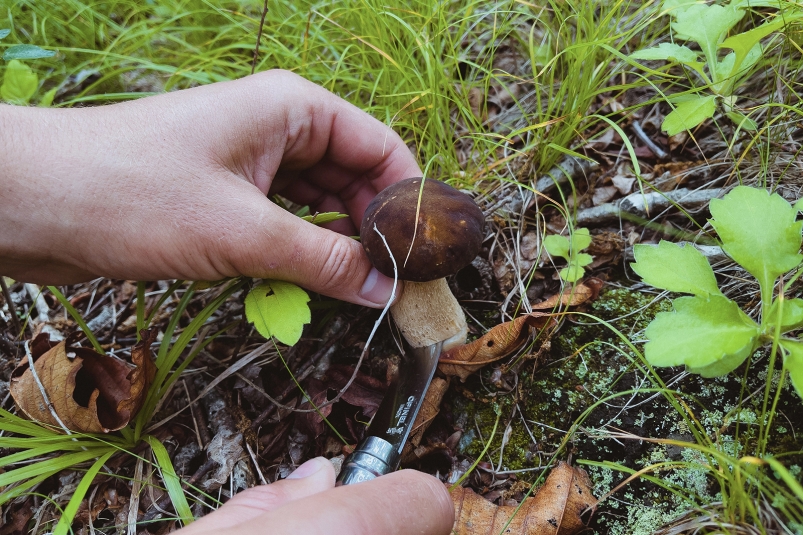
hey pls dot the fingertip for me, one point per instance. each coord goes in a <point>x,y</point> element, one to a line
<point>378,289</point>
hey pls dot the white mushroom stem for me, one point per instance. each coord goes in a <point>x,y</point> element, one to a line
<point>428,313</point>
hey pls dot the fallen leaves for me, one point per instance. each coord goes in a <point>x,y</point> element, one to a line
<point>494,345</point>
<point>87,391</point>
<point>559,507</point>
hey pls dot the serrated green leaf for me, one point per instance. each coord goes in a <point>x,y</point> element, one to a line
<point>4,33</point>
<point>708,25</point>
<point>708,334</point>
<point>667,51</point>
<point>759,231</point>
<point>742,121</point>
<point>27,52</point>
<point>675,268</point>
<point>579,239</point>
<point>557,245</point>
<point>278,309</point>
<point>19,83</point>
<point>324,217</point>
<point>688,114</point>
<point>791,314</point>
<point>793,360</point>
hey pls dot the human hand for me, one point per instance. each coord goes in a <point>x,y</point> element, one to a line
<point>401,503</point>
<point>174,186</point>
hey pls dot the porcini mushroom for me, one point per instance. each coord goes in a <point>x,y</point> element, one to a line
<point>432,231</point>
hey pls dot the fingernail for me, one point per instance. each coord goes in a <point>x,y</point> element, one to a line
<point>307,469</point>
<point>377,288</point>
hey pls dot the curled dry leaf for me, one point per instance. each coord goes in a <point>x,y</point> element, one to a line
<point>561,507</point>
<point>574,296</point>
<point>496,344</point>
<point>430,408</point>
<point>90,392</point>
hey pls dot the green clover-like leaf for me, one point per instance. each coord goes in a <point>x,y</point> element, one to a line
<point>19,83</point>
<point>794,363</point>
<point>759,231</point>
<point>689,113</point>
<point>676,268</point>
<point>580,239</point>
<point>27,52</point>
<point>710,335</point>
<point>742,121</point>
<point>569,248</point>
<point>557,245</point>
<point>278,309</point>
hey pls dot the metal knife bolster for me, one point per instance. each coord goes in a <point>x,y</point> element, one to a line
<point>380,451</point>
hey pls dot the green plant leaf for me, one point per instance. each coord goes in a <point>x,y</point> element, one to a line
<point>557,245</point>
<point>27,52</point>
<point>673,7</point>
<point>171,480</point>
<point>791,314</point>
<point>710,335</point>
<point>279,309</point>
<point>66,520</point>
<point>708,25</point>
<point>747,42</point>
<point>19,83</point>
<point>580,239</point>
<point>667,51</point>
<point>675,268</point>
<point>794,363</point>
<point>324,217</point>
<point>743,121</point>
<point>47,99</point>
<point>4,33</point>
<point>688,114</point>
<point>759,231</point>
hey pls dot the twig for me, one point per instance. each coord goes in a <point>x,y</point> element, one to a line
<point>643,204</point>
<point>256,464</point>
<point>15,322</point>
<point>42,310</point>
<point>642,135</point>
<point>42,390</point>
<point>569,169</point>
<point>259,37</point>
<point>133,506</point>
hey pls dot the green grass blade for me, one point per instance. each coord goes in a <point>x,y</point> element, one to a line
<point>76,316</point>
<point>75,501</point>
<point>171,480</point>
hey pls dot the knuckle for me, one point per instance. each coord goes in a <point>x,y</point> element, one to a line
<point>342,265</point>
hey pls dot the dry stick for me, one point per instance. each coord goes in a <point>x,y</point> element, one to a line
<point>259,36</point>
<point>643,204</point>
<point>256,464</point>
<point>642,135</point>
<point>197,414</point>
<point>133,507</point>
<point>43,392</point>
<point>15,322</point>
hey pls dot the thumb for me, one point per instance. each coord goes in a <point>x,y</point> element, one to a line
<point>315,258</point>
<point>312,477</point>
<point>401,503</point>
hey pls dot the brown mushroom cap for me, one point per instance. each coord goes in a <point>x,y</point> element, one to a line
<point>448,236</point>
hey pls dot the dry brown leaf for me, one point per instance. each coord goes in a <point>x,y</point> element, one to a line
<point>558,508</point>
<point>496,344</point>
<point>430,408</point>
<point>574,296</point>
<point>89,392</point>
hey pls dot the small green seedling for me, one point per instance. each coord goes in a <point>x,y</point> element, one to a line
<point>708,26</point>
<point>708,332</point>
<point>279,309</point>
<point>569,248</point>
<point>19,81</point>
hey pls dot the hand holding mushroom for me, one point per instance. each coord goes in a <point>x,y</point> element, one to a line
<point>432,231</point>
